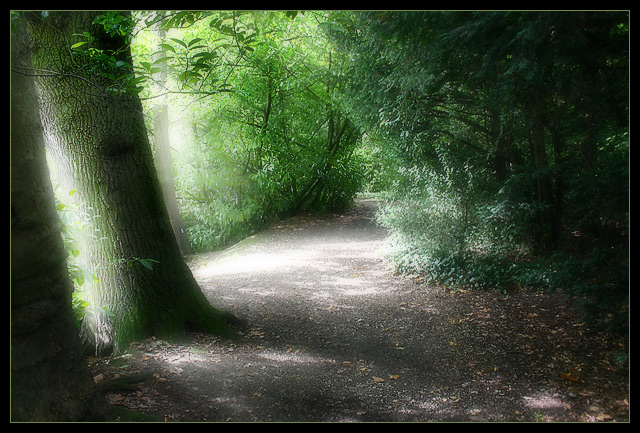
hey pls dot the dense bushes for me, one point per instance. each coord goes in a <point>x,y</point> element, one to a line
<point>506,143</point>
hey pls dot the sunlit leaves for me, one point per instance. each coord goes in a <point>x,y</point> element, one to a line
<point>115,23</point>
<point>263,128</point>
<point>180,19</point>
<point>217,41</point>
<point>111,65</point>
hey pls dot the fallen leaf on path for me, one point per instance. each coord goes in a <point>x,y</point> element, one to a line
<point>602,416</point>
<point>378,379</point>
<point>569,376</point>
<point>114,398</point>
<point>394,376</point>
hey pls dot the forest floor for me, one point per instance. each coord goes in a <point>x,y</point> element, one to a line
<point>333,335</point>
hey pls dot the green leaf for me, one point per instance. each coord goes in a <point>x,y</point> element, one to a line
<point>179,42</point>
<point>194,41</point>
<point>78,44</point>
<point>226,29</point>
<point>168,47</point>
<point>147,264</point>
<point>107,76</point>
<point>205,55</point>
<point>162,59</point>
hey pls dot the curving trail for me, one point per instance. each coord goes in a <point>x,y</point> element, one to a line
<point>333,335</point>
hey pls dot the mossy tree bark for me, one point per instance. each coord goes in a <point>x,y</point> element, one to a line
<point>49,377</point>
<point>100,147</point>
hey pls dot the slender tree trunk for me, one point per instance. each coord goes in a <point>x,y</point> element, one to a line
<point>559,184</point>
<point>339,137</point>
<point>545,233</point>
<point>167,179</point>
<point>99,145</point>
<point>164,160</point>
<point>49,377</point>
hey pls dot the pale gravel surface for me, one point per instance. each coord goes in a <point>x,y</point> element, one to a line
<point>332,335</point>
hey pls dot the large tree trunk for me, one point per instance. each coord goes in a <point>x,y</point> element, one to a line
<point>49,377</point>
<point>100,148</point>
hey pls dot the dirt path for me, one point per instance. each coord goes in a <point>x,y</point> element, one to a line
<point>332,335</point>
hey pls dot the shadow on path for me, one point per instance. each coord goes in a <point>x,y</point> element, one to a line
<point>334,335</point>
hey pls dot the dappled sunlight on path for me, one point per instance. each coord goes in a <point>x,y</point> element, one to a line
<point>326,258</point>
<point>332,334</point>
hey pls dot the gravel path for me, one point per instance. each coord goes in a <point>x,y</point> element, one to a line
<point>333,335</point>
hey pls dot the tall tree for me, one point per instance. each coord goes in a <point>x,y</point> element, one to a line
<point>49,377</point>
<point>511,132</point>
<point>98,140</point>
<point>163,147</point>
<point>277,142</point>
<point>501,93</point>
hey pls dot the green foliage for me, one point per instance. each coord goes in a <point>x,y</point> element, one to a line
<point>499,140</point>
<point>75,224</point>
<point>116,24</point>
<point>115,69</point>
<point>599,281</point>
<point>264,136</point>
<point>509,134</point>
